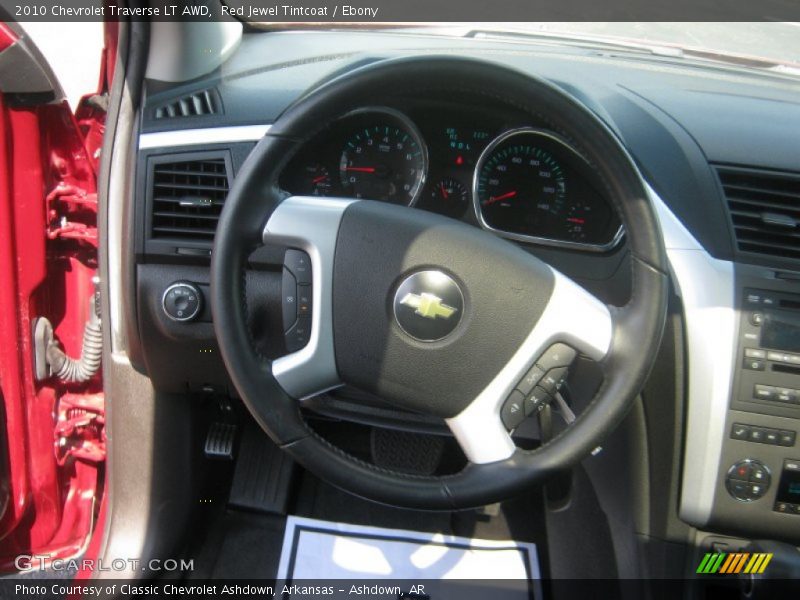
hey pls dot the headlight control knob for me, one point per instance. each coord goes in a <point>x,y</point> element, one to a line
<point>182,301</point>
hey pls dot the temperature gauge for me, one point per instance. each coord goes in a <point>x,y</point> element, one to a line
<point>448,197</point>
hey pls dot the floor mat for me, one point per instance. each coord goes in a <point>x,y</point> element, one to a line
<point>323,550</point>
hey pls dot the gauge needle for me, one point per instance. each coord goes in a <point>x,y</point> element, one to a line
<point>361,169</point>
<point>576,220</point>
<point>319,179</point>
<point>445,195</point>
<point>493,199</point>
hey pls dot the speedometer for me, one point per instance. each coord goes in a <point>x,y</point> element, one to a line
<point>384,158</point>
<point>530,185</point>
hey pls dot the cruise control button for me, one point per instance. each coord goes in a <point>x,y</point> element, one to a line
<point>553,379</point>
<point>536,401</point>
<point>299,264</point>
<point>304,299</point>
<point>513,413</point>
<point>530,380</point>
<point>299,334</point>
<point>288,299</point>
<point>739,431</point>
<point>557,355</point>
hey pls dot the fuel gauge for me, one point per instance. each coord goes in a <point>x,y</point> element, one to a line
<point>448,197</point>
<point>316,180</point>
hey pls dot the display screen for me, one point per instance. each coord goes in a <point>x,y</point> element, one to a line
<point>789,487</point>
<point>781,331</point>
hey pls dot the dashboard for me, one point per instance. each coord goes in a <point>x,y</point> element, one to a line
<point>717,147</point>
<point>494,169</point>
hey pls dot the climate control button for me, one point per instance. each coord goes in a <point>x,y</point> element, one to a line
<point>747,480</point>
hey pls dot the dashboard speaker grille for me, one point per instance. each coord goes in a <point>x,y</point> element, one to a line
<point>765,210</point>
<point>198,104</point>
<point>188,197</point>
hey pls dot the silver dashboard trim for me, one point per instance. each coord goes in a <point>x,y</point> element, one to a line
<point>706,287</point>
<point>210,135</point>
<point>312,224</point>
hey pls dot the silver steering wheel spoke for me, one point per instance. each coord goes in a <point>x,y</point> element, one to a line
<point>573,317</point>
<point>310,224</point>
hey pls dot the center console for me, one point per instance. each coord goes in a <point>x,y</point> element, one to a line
<point>757,492</point>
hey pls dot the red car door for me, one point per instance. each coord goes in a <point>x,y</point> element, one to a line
<point>52,445</point>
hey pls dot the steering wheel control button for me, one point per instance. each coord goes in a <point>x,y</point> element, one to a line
<point>532,377</point>
<point>553,379</point>
<point>747,480</point>
<point>536,401</point>
<point>299,334</point>
<point>299,264</point>
<point>513,412</point>
<point>182,301</point>
<point>288,299</point>
<point>296,294</point>
<point>428,305</point>
<point>557,355</point>
<point>304,299</point>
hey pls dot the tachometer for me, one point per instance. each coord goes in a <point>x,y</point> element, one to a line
<point>384,158</point>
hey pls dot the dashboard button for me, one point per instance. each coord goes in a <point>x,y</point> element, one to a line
<point>771,437</point>
<point>764,392</point>
<point>778,357</point>
<point>782,507</point>
<point>747,480</point>
<point>513,413</point>
<point>755,353</point>
<point>557,355</point>
<point>786,438</point>
<point>753,364</point>
<point>756,434</point>
<point>182,301</point>
<point>532,377</point>
<point>758,474</point>
<point>756,318</point>
<point>299,264</point>
<point>785,395</point>
<point>739,431</point>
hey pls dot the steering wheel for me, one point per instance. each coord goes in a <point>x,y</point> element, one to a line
<point>434,315</point>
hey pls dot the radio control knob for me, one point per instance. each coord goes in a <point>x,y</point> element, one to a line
<point>182,301</point>
<point>756,318</point>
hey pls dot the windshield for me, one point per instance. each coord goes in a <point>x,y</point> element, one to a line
<point>764,42</point>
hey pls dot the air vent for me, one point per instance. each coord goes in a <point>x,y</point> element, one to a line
<point>765,210</point>
<point>188,197</point>
<point>199,104</point>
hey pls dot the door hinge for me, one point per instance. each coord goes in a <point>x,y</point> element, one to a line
<point>80,428</point>
<point>67,206</point>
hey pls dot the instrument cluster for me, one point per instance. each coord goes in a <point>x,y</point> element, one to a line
<point>512,178</point>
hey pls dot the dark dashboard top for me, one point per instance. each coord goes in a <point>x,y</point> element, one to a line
<point>677,118</point>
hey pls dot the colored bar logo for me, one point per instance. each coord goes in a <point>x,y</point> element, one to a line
<point>736,562</point>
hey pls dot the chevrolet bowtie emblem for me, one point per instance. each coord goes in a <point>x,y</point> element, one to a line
<point>428,306</point>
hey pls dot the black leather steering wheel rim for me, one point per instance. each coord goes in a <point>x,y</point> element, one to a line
<point>637,327</point>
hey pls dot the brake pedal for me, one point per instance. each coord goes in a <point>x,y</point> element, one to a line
<point>219,441</point>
